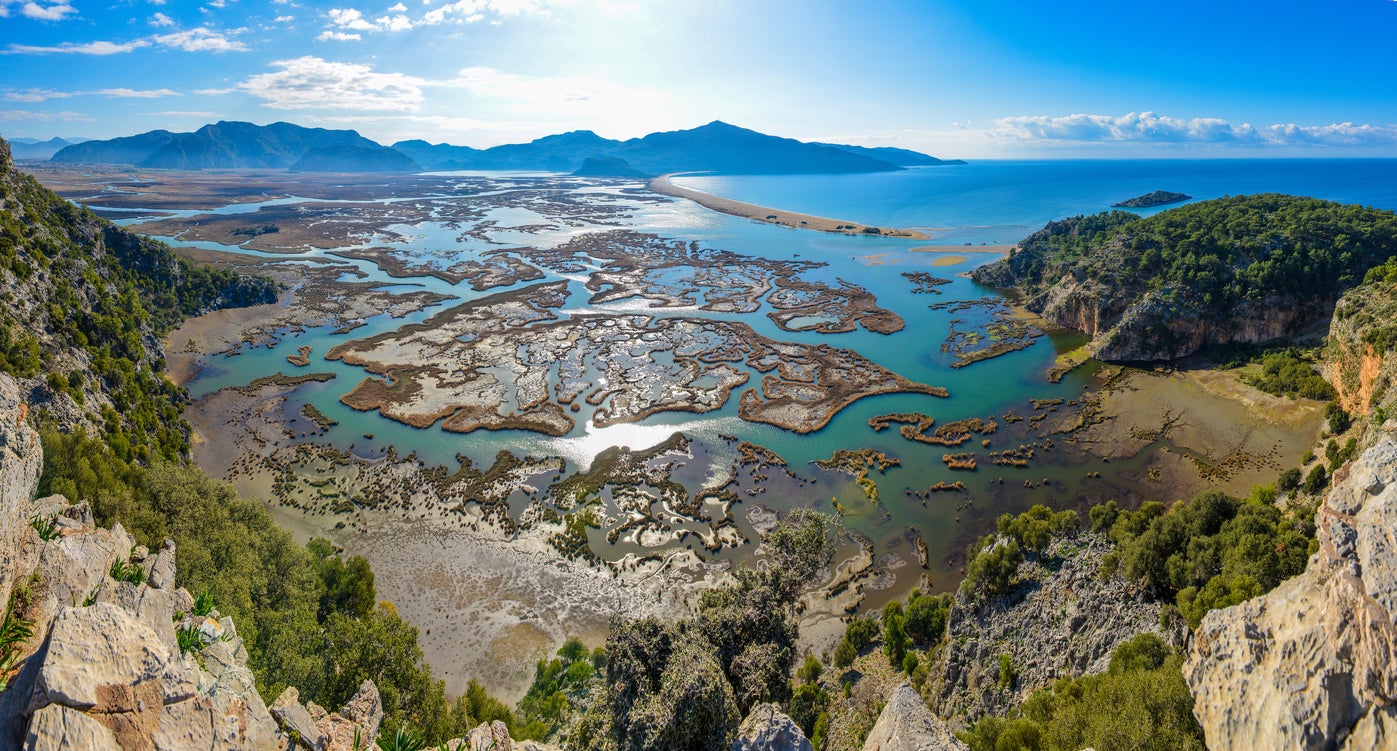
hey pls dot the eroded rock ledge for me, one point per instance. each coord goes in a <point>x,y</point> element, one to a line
<point>1310,665</point>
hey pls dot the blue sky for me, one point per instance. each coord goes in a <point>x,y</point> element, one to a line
<point>974,79</point>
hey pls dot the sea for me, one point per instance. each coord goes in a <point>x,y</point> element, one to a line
<point>983,203</point>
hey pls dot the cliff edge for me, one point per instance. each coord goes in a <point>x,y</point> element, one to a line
<point>1310,664</point>
<point>116,656</point>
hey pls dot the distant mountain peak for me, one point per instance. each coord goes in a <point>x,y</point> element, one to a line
<point>717,146</point>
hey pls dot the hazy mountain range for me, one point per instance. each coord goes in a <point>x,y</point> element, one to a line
<point>715,147</point>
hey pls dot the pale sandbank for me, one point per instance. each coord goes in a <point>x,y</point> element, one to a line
<point>663,186</point>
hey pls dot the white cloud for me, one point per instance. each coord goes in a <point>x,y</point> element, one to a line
<point>34,95</point>
<point>53,11</point>
<point>338,36</point>
<point>354,20</point>
<point>200,40</point>
<point>89,48</point>
<point>1147,127</point>
<point>160,19</point>
<point>312,83</point>
<point>472,11</point>
<point>349,18</point>
<point>44,116</point>
<point>124,93</point>
<point>284,19</point>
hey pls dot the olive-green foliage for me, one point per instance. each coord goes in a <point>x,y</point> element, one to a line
<point>1140,704</point>
<point>1339,456</point>
<point>895,639</point>
<point>1212,551</point>
<point>686,685</point>
<point>1036,527</point>
<point>558,683</point>
<point>306,614</point>
<point>991,572</point>
<point>857,635</point>
<point>1339,420</point>
<point>106,292</point>
<point>809,703</point>
<point>1218,254</point>
<point>1289,479</point>
<point>1290,372</point>
<point>926,616</point>
<point>995,559</point>
<point>1316,481</point>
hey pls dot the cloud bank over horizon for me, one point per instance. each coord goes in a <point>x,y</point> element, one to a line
<point>1148,127</point>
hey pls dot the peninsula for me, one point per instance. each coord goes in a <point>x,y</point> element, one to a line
<point>664,186</point>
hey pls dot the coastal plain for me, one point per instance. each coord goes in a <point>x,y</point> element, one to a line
<point>540,401</point>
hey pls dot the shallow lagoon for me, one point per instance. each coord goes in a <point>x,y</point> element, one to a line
<point>993,211</point>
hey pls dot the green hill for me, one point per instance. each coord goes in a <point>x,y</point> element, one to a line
<point>1243,269</point>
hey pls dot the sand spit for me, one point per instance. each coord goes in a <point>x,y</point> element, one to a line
<point>663,186</point>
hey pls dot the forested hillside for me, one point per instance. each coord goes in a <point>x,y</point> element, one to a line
<point>83,304</point>
<point>1238,269</point>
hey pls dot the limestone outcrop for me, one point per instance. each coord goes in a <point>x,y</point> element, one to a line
<point>767,728</point>
<point>1062,619</point>
<point>906,724</point>
<point>125,664</point>
<point>1310,664</point>
<point>21,460</point>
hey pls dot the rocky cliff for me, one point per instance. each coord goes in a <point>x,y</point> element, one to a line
<point>1062,619</point>
<point>1244,269</point>
<point>906,724</point>
<point>1310,664</point>
<point>118,656</point>
<point>1358,360</point>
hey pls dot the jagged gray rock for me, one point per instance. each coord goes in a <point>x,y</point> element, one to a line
<point>21,461</point>
<point>296,721</point>
<point>906,724</point>
<point>1054,624</point>
<point>1309,665</point>
<point>767,728</point>
<point>103,669</point>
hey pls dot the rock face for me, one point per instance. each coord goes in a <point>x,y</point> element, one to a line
<point>767,728</point>
<point>103,668</point>
<point>1310,664</point>
<point>21,460</point>
<point>1061,620</point>
<point>907,725</point>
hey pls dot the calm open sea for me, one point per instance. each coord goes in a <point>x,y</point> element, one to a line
<point>1003,201</point>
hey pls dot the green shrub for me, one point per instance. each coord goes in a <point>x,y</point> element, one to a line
<point>992,572</point>
<point>1140,704</point>
<point>1212,551</point>
<point>1316,481</point>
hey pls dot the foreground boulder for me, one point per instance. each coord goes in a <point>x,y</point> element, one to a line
<point>906,724</point>
<point>122,665</point>
<point>767,728</point>
<point>1310,664</point>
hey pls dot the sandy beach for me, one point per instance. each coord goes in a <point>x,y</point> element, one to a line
<point>663,186</point>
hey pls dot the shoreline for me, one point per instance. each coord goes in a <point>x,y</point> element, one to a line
<point>779,217</point>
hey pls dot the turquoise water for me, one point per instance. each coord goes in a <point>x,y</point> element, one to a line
<point>989,202</point>
<point>1003,201</point>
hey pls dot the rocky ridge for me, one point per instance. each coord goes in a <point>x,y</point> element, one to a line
<point>104,667</point>
<point>1062,619</point>
<point>1313,658</point>
<point>906,724</point>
